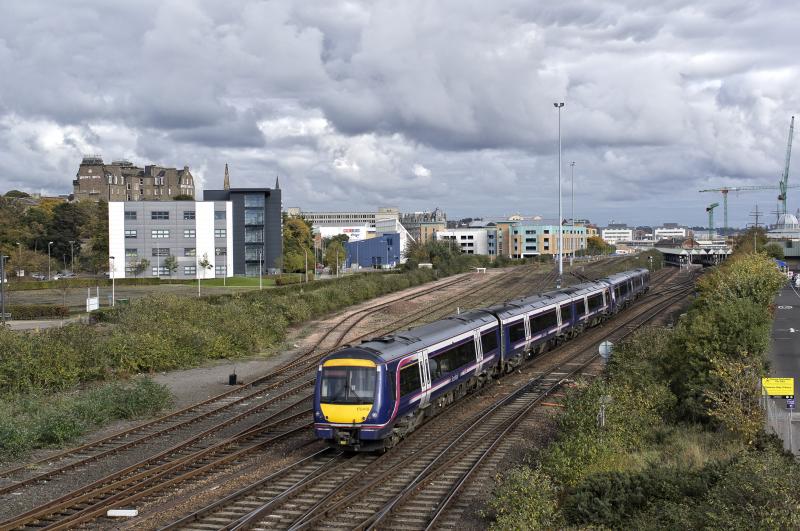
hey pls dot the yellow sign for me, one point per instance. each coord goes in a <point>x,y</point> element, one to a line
<point>777,386</point>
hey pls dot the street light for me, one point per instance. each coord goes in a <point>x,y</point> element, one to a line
<point>48,259</point>
<point>560,215</point>
<point>3,287</point>
<point>72,255</point>
<point>260,284</point>
<point>572,180</point>
<point>305,252</point>
<point>113,276</point>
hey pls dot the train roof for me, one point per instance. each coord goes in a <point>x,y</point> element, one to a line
<point>405,342</point>
<point>516,307</point>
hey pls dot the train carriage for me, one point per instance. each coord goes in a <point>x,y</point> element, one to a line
<point>415,373</point>
<point>369,396</point>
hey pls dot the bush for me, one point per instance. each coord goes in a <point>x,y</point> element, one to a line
<point>37,311</point>
<point>284,280</point>
<point>39,421</point>
<point>524,498</point>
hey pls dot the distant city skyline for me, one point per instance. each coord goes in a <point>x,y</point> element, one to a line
<point>413,104</point>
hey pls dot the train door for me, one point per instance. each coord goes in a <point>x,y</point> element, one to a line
<point>527,322</point>
<point>425,378</point>
<point>476,336</point>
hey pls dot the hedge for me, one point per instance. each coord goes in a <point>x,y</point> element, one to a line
<point>37,311</point>
<point>92,282</point>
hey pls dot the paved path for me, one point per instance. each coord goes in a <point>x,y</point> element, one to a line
<point>784,360</point>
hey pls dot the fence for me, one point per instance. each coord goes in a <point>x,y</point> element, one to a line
<point>783,423</point>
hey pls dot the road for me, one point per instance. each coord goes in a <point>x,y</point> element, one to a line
<point>784,357</point>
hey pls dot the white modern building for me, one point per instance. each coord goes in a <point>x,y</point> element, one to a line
<point>470,240</point>
<point>345,219</point>
<point>612,236</point>
<point>669,232</point>
<point>389,226</point>
<point>150,232</point>
<point>353,232</point>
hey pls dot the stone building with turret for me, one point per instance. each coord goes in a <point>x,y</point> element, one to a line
<point>122,181</point>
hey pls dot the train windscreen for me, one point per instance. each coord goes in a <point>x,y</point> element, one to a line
<point>348,385</point>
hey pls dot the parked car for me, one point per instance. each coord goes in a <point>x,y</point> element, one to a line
<point>66,274</point>
<point>38,276</point>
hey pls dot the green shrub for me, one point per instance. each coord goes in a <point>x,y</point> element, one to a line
<point>37,311</point>
<point>38,421</point>
<point>284,280</point>
<point>524,498</point>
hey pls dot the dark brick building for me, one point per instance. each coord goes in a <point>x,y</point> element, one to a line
<point>122,181</point>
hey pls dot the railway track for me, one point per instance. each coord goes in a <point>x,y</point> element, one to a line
<point>160,471</point>
<point>423,474</point>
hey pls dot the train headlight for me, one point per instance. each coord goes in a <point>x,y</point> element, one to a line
<point>373,415</point>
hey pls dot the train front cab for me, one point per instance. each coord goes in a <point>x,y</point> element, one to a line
<point>353,392</point>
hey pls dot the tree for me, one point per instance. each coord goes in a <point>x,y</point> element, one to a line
<point>596,245</point>
<point>774,250</point>
<point>17,193</point>
<point>140,267</point>
<point>297,244</point>
<point>205,265</point>
<point>334,256</point>
<point>95,254</point>
<point>171,263</point>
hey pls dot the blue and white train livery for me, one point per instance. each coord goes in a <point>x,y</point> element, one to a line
<point>369,396</point>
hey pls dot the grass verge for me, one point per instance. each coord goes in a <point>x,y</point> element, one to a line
<point>34,421</point>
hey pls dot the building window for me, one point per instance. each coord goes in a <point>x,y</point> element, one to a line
<point>159,233</point>
<point>160,251</point>
<point>252,253</point>
<point>189,270</point>
<point>131,252</point>
<point>253,235</point>
<point>251,270</point>
<point>130,214</point>
<point>130,233</point>
<point>254,200</point>
<point>220,233</point>
<point>189,251</point>
<point>159,214</point>
<point>219,215</point>
<point>253,217</point>
<point>188,214</point>
<point>160,271</point>
<point>220,270</point>
<point>188,233</point>
<point>220,251</point>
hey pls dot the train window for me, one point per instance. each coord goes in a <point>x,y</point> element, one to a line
<point>566,313</point>
<point>390,384</point>
<point>617,293</point>
<point>580,308</point>
<point>595,302</point>
<point>543,321</point>
<point>348,385</point>
<point>489,341</point>
<point>452,359</point>
<point>409,379</point>
<point>516,332</point>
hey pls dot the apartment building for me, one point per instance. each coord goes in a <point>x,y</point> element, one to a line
<point>122,181</point>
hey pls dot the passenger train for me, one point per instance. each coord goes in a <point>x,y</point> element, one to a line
<point>368,397</point>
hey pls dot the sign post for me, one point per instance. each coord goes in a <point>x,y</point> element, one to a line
<point>778,387</point>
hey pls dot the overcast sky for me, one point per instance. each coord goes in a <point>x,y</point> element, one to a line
<point>415,104</point>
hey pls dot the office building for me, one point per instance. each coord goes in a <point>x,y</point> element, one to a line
<point>533,240</point>
<point>614,235</point>
<point>122,181</point>
<point>663,233</point>
<point>379,252</point>
<point>469,240</point>
<point>257,226</point>
<point>345,219</point>
<point>146,237</point>
<point>423,225</point>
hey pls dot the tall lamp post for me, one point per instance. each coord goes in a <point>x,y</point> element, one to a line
<point>48,259</point>
<point>113,274</point>
<point>260,269</point>
<point>305,252</point>
<point>3,287</point>
<point>72,255</point>
<point>558,106</point>
<point>572,180</point>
